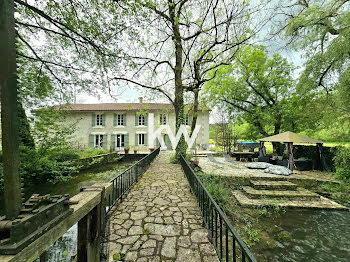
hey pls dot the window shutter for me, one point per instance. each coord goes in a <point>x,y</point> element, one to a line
<point>126,140</point>
<point>136,140</point>
<point>93,122</point>
<point>91,141</point>
<point>104,142</point>
<point>146,119</point>
<point>146,141</point>
<point>113,142</point>
<point>124,119</point>
<point>115,120</point>
<point>103,120</point>
<point>136,120</point>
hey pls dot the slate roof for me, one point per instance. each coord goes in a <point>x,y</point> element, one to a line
<point>115,107</point>
<point>290,137</point>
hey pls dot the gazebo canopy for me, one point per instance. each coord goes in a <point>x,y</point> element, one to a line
<point>290,137</point>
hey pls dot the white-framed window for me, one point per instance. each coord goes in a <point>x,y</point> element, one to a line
<point>99,120</point>
<point>187,120</point>
<point>98,141</point>
<point>120,120</point>
<point>141,120</point>
<point>141,138</point>
<point>162,119</point>
<point>120,140</point>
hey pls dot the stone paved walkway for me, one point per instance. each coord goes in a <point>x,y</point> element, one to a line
<point>159,220</point>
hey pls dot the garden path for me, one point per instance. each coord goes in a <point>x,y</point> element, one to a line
<point>159,220</point>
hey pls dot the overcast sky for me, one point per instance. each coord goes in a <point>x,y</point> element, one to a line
<point>132,95</point>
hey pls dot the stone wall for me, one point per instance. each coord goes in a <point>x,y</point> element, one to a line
<point>84,127</point>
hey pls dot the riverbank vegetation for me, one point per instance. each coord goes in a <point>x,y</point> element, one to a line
<point>269,231</point>
<point>245,220</point>
<point>55,164</point>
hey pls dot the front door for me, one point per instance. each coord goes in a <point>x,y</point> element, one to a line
<point>120,141</point>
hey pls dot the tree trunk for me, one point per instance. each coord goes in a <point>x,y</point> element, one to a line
<point>179,90</point>
<point>277,147</point>
<point>9,112</point>
<point>195,110</point>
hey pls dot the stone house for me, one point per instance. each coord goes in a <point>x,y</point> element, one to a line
<point>114,126</point>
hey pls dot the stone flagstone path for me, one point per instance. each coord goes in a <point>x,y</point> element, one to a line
<point>159,220</point>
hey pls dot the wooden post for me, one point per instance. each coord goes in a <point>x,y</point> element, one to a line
<point>42,257</point>
<point>289,147</point>
<point>261,149</point>
<point>322,162</point>
<point>9,114</point>
<point>89,233</point>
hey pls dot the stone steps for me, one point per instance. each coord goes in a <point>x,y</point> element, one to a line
<point>321,203</point>
<point>273,185</point>
<point>299,194</point>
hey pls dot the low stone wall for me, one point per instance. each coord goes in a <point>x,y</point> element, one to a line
<point>132,157</point>
<point>98,160</point>
<point>107,158</point>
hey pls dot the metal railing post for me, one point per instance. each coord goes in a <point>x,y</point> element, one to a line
<point>215,220</point>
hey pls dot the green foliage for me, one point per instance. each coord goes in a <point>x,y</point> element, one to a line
<point>259,87</point>
<point>342,163</point>
<point>320,29</point>
<point>283,236</point>
<point>252,234</point>
<point>146,231</point>
<point>173,159</point>
<point>51,129</point>
<point>116,256</point>
<point>340,192</point>
<point>89,152</point>
<point>214,186</point>
<point>56,164</point>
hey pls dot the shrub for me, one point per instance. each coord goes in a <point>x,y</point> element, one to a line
<point>173,159</point>
<point>54,164</point>
<point>92,152</point>
<point>342,163</point>
<point>214,186</point>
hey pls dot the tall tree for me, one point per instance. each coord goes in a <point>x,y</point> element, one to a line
<point>258,87</point>
<point>66,46</point>
<point>321,31</point>
<point>172,45</point>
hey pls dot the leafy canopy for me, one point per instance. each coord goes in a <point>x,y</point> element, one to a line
<point>258,88</point>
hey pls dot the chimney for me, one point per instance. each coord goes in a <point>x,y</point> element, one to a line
<point>140,99</point>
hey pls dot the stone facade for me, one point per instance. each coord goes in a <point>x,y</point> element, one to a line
<point>116,137</point>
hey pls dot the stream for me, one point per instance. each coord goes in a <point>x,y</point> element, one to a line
<point>322,236</point>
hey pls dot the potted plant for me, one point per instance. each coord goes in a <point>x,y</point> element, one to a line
<point>135,150</point>
<point>126,150</point>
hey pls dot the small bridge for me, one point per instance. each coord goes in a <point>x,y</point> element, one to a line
<point>149,212</point>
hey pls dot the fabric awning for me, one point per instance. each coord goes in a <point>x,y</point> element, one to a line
<point>290,137</point>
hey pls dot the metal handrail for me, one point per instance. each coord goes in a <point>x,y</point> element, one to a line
<point>221,232</point>
<point>125,180</point>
